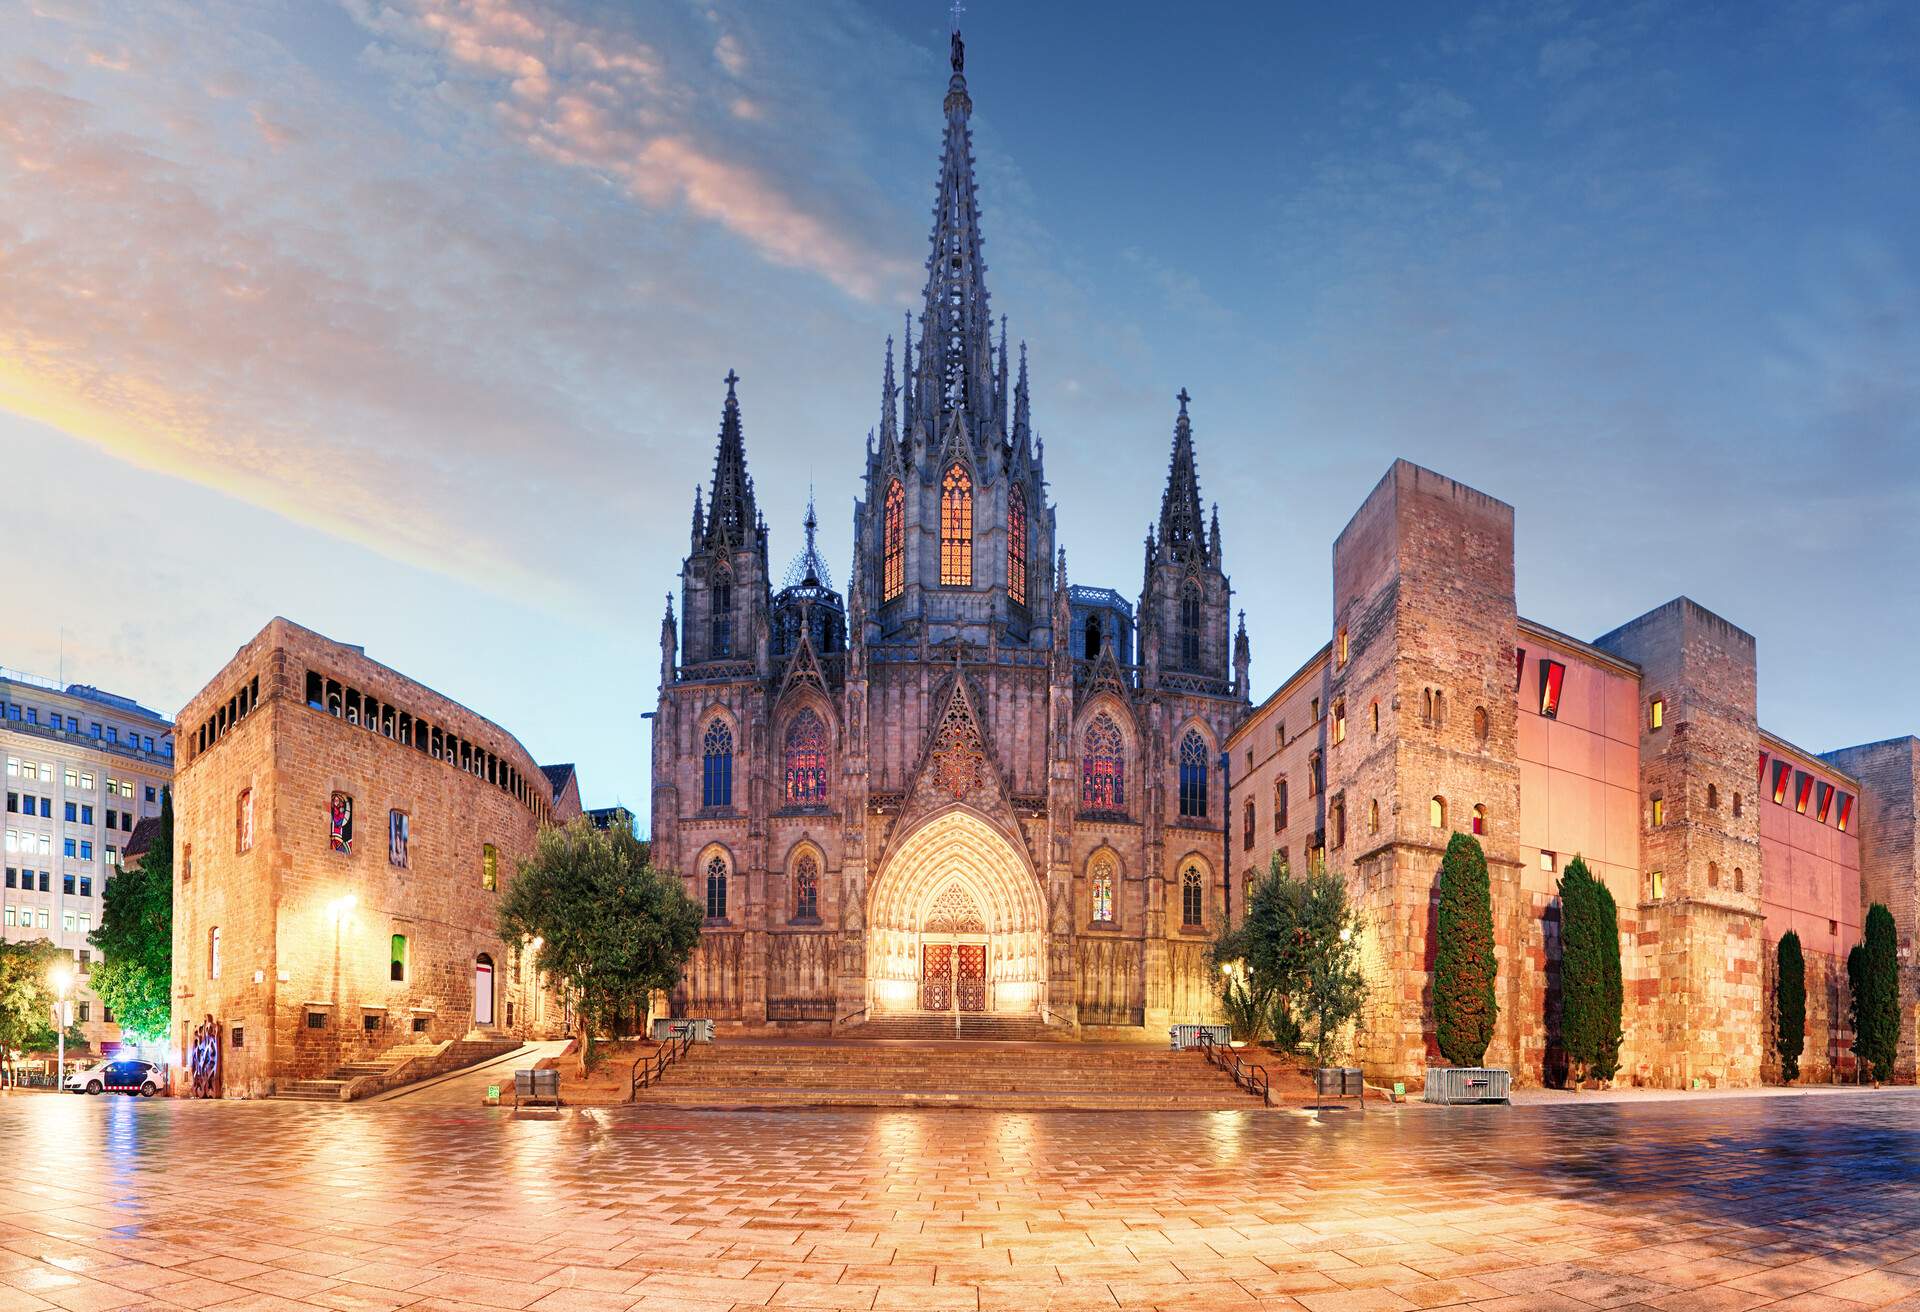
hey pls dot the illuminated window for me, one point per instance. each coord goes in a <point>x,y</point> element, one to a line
<point>1192,899</point>
<point>398,831</point>
<point>340,823</point>
<point>489,867</point>
<point>894,534</point>
<point>1479,819</point>
<point>1193,774</point>
<point>1279,805</point>
<point>956,528</point>
<point>1548,860</point>
<point>1316,777</point>
<point>1519,666</point>
<point>1782,772</point>
<point>1340,650</point>
<point>1437,813</point>
<point>1552,675</point>
<point>1802,790</point>
<point>1659,812</point>
<point>1846,811</point>
<point>1824,804</point>
<point>1017,545</point>
<point>1657,713</point>
<point>717,889</point>
<point>397,959</point>
<point>1337,822</point>
<point>806,888</point>
<point>243,822</point>
<point>1340,721</point>
<point>716,776</point>
<point>1103,766</point>
<point>1102,888</point>
<point>1656,886</point>
<point>805,760</point>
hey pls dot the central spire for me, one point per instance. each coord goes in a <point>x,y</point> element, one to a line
<point>1181,532</point>
<point>954,374</point>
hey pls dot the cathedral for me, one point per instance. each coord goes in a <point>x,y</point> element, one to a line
<point>965,785</point>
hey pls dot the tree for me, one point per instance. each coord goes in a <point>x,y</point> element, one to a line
<point>27,998</point>
<point>1790,1005</point>
<point>134,976</point>
<point>1302,958</point>
<point>1244,998</point>
<point>1877,995</point>
<point>1464,1006</point>
<point>1591,989</point>
<point>611,928</point>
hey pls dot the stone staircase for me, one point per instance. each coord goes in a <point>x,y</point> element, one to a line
<point>1005,1075</point>
<point>930,1025</point>
<point>404,1063</point>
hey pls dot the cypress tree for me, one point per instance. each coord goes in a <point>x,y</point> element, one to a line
<point>1877,1032</point>
<point>1464,1006</point>
<point>1790,1005</point>
<point>1591,987</point>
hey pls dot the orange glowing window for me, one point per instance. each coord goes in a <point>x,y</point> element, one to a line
<point>894,561</point>
<point>1824,803</point>
<point>1017,546</point>
<point>1519,666</point>
<point>1659,812</point>
<point>1340,650</point>
<point>1552,675</point>
<point>1782,772</point>
<point>1846,811</point>
<point>1657,713</point>
<point>956,528</point>
<point>1802,790</point>
<point>1340,721</point>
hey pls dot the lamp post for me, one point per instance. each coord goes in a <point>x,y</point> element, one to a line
<point>61,978</point>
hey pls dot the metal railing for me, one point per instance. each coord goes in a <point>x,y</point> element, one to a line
<point>849,1016</point>
<point>1250,1076</point>
<point>649,1068</point>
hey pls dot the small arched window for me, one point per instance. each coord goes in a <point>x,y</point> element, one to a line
<point>1193,774</point>
<point>397,960</point>
<point>1426,706</point>
<point>1713,874</point>
<point>1247,838</point>
<point>1103,767</point>
<point>1190,627</point>
<point>1373,816</point>
<point>1713,798</point>
<point>1192,899</point>
<point>1479,818</point>
<point>721,626</point>
<point>1017,545</point>
<point>956,528</point>
<point>893,565</point>
<point>805,759</point>
<point>1100,884</point>
<point>1437,813</point>
<point>806,888</point>
<point>1480,723</point>
<point>717,888</point>
<point>1279,805</point>
<point>716,777</point>
<point>1736,805</point>
<point>1739,880</point>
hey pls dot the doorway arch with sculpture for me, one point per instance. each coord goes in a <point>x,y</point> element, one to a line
<point>956,921</point>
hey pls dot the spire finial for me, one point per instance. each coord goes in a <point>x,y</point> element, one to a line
<point>730,380</point>
<point>1183,398</point>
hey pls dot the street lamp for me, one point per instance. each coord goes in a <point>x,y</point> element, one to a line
<point>61,977</point>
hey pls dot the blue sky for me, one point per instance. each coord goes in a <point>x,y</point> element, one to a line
<point>407,318</point>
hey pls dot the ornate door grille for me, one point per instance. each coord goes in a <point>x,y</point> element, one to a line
<point>973,976</point>
<point>936,977</point>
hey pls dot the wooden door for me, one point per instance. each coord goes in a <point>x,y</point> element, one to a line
<point>936,976</point>
<point>973,976</point>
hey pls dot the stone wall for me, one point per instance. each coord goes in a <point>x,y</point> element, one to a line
<point>1889,775</point>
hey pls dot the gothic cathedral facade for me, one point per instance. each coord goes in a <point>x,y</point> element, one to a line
<point>966,786</point>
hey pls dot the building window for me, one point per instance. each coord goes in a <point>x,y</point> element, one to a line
<point>1659,812</point>
<point>717,889</point>
<point>1190,627</point>
<point>1657,713</point>
<point>1340,721</point>
<point>1373,714</point>
<point>716,778</point>
<point>1846,811</point>
<point>1017,545</point>
<point>1279,805</point>
<point>213,952</point>
<point>1313,709</point>
<point>1713,874</point>
<point>1337,822</point>
<point>1736,806</point>
<point>1479,818</point>
<point>397,833</point>
<point>1090,644</point>
<point>1480,723</point>
<point>1656,886</point>
<point>956,528</point>
<point>397,959</point>
<point>1548,861</point>
<point>1552,676</point>
<point>340,823</point>
<point>1316,775</point>
<point>1193,774</point>
<point>316,1020</point>
<point>893,561</point>
<point>1373,816</point>
<point>805,765</point>
<point>1246,840</point>
<point>1437,812</point>
<point>806,889</point>
<point>1823,805</point>
<point>1713,798</point>
<point>1739,880</point>
<point>1340,649</point>
<point>243,822</point>
<point>1103,766</point>
<point>1192,899</point>
<point>489,867</point>
<point>1802,791</point>
<point>1781,773</point>
<point>1102,887</point>
<point>720,628</point>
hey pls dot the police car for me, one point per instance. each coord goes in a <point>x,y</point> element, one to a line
<point>130,1077</point>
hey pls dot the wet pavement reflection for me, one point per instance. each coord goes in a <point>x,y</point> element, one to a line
<point>1714,1204</point>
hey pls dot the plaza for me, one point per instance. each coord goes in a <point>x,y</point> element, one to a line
<point>1791,1201</point>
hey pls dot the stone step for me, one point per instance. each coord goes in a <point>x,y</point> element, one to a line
<point>1003,1100</point>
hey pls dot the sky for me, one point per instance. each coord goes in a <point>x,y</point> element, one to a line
<point>407,319</point>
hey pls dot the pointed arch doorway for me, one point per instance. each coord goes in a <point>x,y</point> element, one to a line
<point>956,922</point>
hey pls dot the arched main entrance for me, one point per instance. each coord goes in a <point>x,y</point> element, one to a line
<point>956,921</point>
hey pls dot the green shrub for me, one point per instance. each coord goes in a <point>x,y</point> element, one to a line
<point>1877,997</point>
<point>1464,1006</point>
<point>1790,1005</point>
<point>1591,988</point>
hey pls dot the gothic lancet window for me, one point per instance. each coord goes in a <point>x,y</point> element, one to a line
<point>1190,627</point>
<point>1192,899</point>
<point>716,778</point>
<point>721,645</point>
<point>806,760</point>
<point>956,528</point>
<point>893,565</point>
<point>806,888</point>
<point>1103,767</point>
<point>1017,545</point>
<point>717,889</point>
<point>1102,888</point>
<point>1193,774</point>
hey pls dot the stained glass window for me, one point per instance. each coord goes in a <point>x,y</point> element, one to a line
<point>1192,898</point>
<point>1017,545</point>
<point>398,828</point>
<point>1103,767</point>
<point>716,780</point>
<point>806,760</point>
<point>956,528</point>
<point>717,889</point>
<point>340,823</point>
<point>894,560</point>
<point>806,888</point>
<point>1102,881</point>
<point>1193,774</point>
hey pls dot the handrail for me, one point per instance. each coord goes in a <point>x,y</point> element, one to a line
<point>657,1062</point>
<point>1248,1075</point>
<point>850,1015</point>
